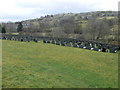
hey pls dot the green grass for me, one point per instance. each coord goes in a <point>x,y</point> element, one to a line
<point>0,65</point>
<point>38,65</point>
<point>106,17</point>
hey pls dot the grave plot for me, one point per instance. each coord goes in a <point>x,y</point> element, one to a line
<point>67,42</point>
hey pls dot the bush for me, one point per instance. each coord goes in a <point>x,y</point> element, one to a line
<point>3,30</point>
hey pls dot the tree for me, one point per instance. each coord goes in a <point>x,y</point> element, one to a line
<point>10,27</point>
<point>42,26</point>
<point>103,29</point>
<point>3,30</point>
<point>20,27</point>
<point>92,28</point>
<point>67,23</point>
<point>98,29</point>
<point>0,29</point>
<point>78,28</point>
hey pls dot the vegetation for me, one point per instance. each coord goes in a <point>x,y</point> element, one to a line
<point>3,30</point>
<point>39,65</point>
<point>19,28</point>
<point>95,26</point>
<point>0,64</point>
<point>0,28</point>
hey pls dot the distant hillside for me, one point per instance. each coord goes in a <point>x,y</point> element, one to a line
<point>70,25</point>
<point>77,16</point>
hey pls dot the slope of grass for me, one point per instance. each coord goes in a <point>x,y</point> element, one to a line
<point>38,65</point>
<point>112,17</point>
<point>0,64</point>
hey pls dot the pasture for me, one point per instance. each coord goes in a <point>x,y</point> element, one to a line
<point>39,65</point>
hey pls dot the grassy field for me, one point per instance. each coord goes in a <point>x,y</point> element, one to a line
<point>38,65</point>
<point>0,65</point>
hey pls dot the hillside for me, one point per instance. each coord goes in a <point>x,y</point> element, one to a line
<point>39,65</point>
<point>54,19</point>
<point>99,26</point>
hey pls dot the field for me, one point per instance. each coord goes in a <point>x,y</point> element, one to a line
<point>39,65</point>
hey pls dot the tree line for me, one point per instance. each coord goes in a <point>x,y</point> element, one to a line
<point>95,29</point>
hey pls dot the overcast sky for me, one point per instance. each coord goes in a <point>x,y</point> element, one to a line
<point>17,10</point>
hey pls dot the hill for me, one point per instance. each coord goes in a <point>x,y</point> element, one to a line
<point>99,26</point>
<point>52,21</point>
<point>39,65</point>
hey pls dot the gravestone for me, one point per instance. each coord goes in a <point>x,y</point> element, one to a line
<point>74,44</point>
<point>113,50</point>
<point>44,41</point>
<point>96,49</point>
<point>81,46</point>
<point>103,49</point>
<point>21,39</point>
<point>88,47</point>
<point>53,42</point>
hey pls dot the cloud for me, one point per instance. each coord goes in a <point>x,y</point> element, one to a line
<point>25,9</point>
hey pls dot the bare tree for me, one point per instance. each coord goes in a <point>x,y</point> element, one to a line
<point>68,24</point>
<point>98,29</point>
<point>78,28</point>
<point>103,29</point>
<point>92,28</point>
<point>41,26</point>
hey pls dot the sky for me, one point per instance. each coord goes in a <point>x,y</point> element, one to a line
<point>17,10</point>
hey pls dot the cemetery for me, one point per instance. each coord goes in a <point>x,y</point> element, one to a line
<point>44,65</point>
<point>67,42</point>
<point>64,50</point>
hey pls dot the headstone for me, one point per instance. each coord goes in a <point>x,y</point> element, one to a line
<point>44,41</point>
<point>88,47</point>
<point>103,49</point>
<point>81,46</point>
<point>48,41</point>
<point>74,45</point>
<point>53,42</point>
<point>21,39</point>
<point>113,50</point>
<point>96,49</point>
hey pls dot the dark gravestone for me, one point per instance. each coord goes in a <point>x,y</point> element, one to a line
<point>68,44</point>
<point>48,41</point>
<point>113,50</point>
<point>81,46</point>
<point>57,43</point>
<point>4,38</point>
<point>118,48</point>
<point>79,43</point>
<point>13,38</point>
<point>44,41</point>
<point>62,43</point>
<point>96,49</point>
<point>88,47</point>
<point>28,40</point>
<point>53,42</point>
<point>74,45</point>
<point>21,39</point>
<point>103,49</point>
<point>35,40</point>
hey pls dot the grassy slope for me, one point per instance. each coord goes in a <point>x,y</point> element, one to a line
<point>0,64</point>
<point>41,65</point>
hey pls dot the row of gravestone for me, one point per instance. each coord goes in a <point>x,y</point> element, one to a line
<point>84,44</point>
<point>19,38</point>
<point>67,42</point>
